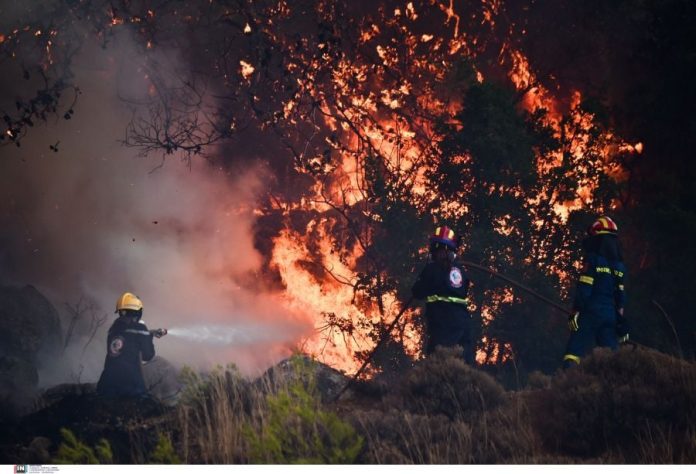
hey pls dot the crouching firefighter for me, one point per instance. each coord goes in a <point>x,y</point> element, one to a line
<point>128,344</point>
<point>598,309</point>
<point>444,287</point>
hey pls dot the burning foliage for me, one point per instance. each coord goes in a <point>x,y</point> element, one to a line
<point>377,120</point>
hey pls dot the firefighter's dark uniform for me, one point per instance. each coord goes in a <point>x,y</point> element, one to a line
<point>128,344</point>
<point>600,293</point>
<point>448,322</point>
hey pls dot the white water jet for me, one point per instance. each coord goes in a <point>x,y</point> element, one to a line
<point>218,335</point>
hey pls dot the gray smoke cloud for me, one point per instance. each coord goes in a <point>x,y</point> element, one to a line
<point>95,220</point>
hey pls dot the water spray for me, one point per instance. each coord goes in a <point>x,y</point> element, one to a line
<point>219,335</point>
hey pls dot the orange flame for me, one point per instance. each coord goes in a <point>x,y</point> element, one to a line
<point>366,114</point>
<point>317,282</point>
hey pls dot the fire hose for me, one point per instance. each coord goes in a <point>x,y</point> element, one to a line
<point>546,300</point>
<point>519,285</point>
<point>481,268</point>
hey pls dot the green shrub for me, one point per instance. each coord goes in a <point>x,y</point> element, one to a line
<point>164,452</point>
<point>74,451</point>
<point>294,428</point>
<point>193,385</point>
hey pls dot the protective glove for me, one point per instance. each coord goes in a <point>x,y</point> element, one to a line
<point>622,328</point>
<point>573,321</point>
<point>158,332</point>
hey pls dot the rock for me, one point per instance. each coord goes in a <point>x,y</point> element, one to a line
<point>38,451</point>
<point>55,394</point>
<point>18,382</point>
<point>329,381</point>
<point>30,336</point>
<point>162,380</point>
<point>29,325</point>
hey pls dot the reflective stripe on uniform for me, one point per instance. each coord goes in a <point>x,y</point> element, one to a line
<point>586,279</point>
<point>603,270</point>
<point>621,287</point>
<point>137,331</point>
<point>572,357</point>
<point>618,273</point>
<point>447,299</point>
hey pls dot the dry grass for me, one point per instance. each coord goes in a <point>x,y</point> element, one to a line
<point>212,415</point>
<point>444,384</point>
<point>624,407</point>
<point>620,402</point>
<point>445,412</point>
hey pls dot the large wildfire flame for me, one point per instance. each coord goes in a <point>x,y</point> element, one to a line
<point>404,155</point>
<point>378,109</point>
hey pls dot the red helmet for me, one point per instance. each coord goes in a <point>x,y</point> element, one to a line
<point>603,225</point>
<point>444,235</point>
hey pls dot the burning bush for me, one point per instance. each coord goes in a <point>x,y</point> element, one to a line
<point>625,402</point>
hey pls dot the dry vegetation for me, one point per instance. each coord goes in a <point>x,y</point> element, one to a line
<point>625,407</point>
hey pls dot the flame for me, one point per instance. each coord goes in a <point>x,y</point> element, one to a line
<point>246,69</point>
<point>380,109</point>
<point>494,352</point>
<point>367,115</point>
<point>318,282</point>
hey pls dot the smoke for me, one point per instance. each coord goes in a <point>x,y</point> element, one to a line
<point>94,220</point>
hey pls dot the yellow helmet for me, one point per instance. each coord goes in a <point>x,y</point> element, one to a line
<point>129,301</point>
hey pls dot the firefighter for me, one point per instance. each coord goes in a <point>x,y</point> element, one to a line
<point>444,287</point>
<point>598,309</point>
<point>129,343</point>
